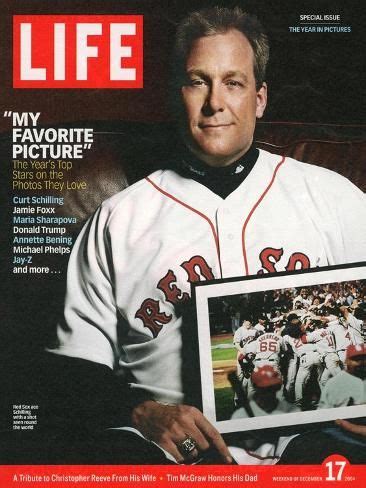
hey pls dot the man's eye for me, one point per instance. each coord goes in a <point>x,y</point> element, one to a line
<point>197,82</point>
<point>234,83</point>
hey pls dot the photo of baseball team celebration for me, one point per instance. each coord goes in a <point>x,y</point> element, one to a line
<point>289,350</point>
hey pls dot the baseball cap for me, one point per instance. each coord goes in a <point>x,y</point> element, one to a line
<point>358,350</point>
<point>266,376</point>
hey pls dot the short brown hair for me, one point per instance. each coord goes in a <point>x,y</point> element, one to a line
<point>219,20</point>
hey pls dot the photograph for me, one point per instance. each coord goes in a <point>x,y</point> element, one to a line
<point>283,350</point>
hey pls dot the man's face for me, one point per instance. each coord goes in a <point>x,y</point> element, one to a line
<point>220,98</point>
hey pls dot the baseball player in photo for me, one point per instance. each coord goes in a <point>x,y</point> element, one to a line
<point>308,358</point>
<point>349,387</point>
<point>267,382</point>
<point>344,334</point>
<point>325,342</point>
<point>245,333</point>
<point>222,208</point>
<point>269,348</point>
<point>243,342</point>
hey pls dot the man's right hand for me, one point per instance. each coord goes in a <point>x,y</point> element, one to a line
<point>169,425</point>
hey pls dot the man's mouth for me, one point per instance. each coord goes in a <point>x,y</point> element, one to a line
<point>214,126</point>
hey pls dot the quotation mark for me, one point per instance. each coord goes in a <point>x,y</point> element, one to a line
<point>87,146</point>
<point>7,113</point>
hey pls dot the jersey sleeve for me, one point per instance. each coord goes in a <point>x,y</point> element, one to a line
<point>89,328</point>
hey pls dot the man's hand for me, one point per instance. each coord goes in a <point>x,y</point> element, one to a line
<point>169,425</point>
<point>350,427</point>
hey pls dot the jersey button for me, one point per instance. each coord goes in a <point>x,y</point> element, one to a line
<point>230,236</point>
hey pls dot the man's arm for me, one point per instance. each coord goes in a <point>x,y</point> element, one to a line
<point>351,427</point>
<point>89,336</point>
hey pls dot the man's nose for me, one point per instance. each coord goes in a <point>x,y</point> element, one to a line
<point>215,100</point>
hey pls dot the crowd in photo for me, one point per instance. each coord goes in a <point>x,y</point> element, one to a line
<point>300,348</point>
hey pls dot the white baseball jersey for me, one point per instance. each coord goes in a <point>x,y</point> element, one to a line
<point>243,335</point>
<point>324,340</point>
<point>343,335</point>
<point>298,346</point>
<point>268,348</point>
<point>133,263</point>
<point>342,390</point>
<point>283,406</point>
<point>356,329</point>
<point>325,343</point>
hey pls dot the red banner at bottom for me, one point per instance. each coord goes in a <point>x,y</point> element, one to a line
<point>334,471</point>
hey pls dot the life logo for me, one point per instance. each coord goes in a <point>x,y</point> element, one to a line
<point>78,51</point>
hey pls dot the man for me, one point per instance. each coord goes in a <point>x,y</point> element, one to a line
<point>244,343</point>
<point>212,215</point>
<point>346,330</point>
<point>261,325</point>
<point>349,386</point>
<point>267,382</point>
<point>269,349</point>
<point>307,354</point>
<point>244,334</point>
<point>324,339</point>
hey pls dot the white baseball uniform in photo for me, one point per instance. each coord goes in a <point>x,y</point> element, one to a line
<point>282,407</point>
<point>132,266</point>
<point>343,335</point>
<point>357,329</point>
<point>292,367</point>
<point>241,339</point>
<point>325,343</point>
<point>309,358</point>
<point>242,336</point>
<point>269,346</point>
<point>343,390</point>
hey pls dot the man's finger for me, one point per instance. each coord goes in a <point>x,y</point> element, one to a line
<point>172,448</point>
<point>350,427</point>
<point>215,438</point>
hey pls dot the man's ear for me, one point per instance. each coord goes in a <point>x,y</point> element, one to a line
<point>261,100</point>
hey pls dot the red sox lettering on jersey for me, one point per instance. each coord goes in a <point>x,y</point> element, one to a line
<point>270,256</point>
<point>150,313</point>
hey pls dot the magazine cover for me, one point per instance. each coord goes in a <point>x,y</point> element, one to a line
<point>183,243</point>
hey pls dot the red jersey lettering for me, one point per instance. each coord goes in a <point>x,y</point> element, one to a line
<point>269,257</point>
<point>197,268</point>
<point>298,260</point>
<point>171,292</point>
<point>151,316</point>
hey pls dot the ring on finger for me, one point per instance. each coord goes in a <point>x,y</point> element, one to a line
<point>187,445</point>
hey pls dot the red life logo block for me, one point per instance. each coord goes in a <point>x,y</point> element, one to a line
<point>78,51</point>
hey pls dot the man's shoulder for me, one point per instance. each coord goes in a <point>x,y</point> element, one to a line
<point>305,169</point>
<point>317,179</point>
<point>138,190</point>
